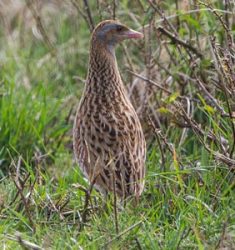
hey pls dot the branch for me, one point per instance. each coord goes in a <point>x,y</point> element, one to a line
<point>88,11</point>
<point>179,41</point>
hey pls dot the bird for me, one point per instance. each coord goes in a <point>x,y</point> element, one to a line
<point>108,140</point>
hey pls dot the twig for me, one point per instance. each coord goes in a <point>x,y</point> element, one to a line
<point>177,18</point>
<point>86,203</point>
<point>184,132</point>
<point>226,6</point>
<point>141,5</point>
<point>114,9</point>
<point>214,201</point>
<point>216,54</point>
<point>76,5</point>
<point>26,206</point>
<point>88,11</point>
<point>138,244</point>
<point>161,137</point>
<point>161,20</point>
<point>184,235</point>
<point>222,236</point>
<point>158,141</point>
<point>148,60</point>
<point>214,11</point>
<point>150,81</point>
<point>25,244</point>
<point>200,133</point>
<point>179,41</point>
<point>162,14</point>
<point>99,9</point>
<point>224,24</point>
<point>128,58</point>
<point>214,101</point>
<point>54,206</point>
<point>18,192</point>
<point>64,133</point>
<point>37,18</point>
<point>206,92</point>
<point>115,203</point>
<point>20,188</point>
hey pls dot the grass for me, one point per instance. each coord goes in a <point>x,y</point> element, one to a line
<point>189,200</point>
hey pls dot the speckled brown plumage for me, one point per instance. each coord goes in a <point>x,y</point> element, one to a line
<point>109,144</point>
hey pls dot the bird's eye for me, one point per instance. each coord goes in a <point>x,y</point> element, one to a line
<point>119,28</point>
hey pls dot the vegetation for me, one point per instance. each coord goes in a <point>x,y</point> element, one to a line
<point>181,80</point>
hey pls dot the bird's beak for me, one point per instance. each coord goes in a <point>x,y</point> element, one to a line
<point>129,34</point>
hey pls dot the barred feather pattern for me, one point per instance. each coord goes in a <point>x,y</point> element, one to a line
<point>109,144</point>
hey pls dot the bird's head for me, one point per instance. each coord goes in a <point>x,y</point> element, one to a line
<point>111,32</point>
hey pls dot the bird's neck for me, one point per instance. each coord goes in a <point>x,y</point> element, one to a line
<point>103,74</point>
